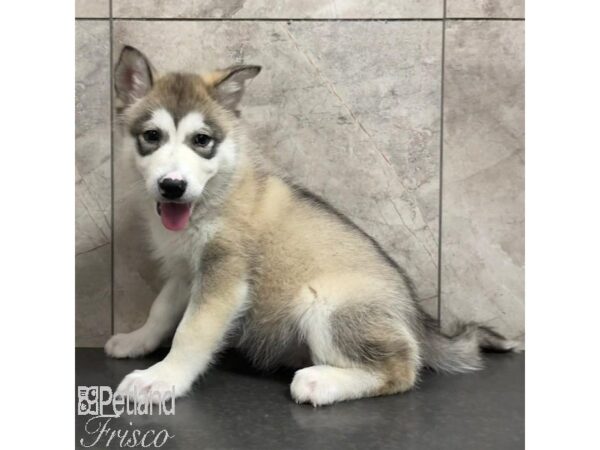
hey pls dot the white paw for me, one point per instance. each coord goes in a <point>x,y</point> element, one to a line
<point>316,385</point>
<point>161,381</point>
<point>130,345</point>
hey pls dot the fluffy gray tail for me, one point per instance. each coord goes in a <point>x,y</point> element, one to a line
<point>460,350</point>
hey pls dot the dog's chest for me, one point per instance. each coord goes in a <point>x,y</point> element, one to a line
<point>182,250</point>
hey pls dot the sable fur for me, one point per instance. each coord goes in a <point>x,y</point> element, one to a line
<point>268,267</point>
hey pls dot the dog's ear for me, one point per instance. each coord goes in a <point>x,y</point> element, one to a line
<point>133,75</point>
<point>227,85</point>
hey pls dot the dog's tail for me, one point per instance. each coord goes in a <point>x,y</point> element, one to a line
<point>460,350</point>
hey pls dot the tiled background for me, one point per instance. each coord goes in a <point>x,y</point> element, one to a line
<point>403,124</point>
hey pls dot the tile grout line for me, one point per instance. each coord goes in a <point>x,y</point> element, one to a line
<point>300,19</point>
<point>441,185</point>
<point>112,176</point>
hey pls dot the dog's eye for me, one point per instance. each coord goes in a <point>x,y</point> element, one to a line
<point>201,140</point>
<point>151,136</point>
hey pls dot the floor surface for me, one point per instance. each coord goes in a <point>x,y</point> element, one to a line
<point>234,407</point>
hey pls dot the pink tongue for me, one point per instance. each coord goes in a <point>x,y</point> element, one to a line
<point>175,216</point>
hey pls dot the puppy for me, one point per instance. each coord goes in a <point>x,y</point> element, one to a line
<point>254,261</point>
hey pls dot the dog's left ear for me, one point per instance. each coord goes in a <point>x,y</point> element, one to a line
<point>228,85</point>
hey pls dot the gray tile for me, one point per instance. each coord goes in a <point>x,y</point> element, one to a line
<point>281,9</point>
<point>92,135</point>
<point>91,227</point>
<point>92,8</point>
<point>486,8</point>
<point>483,205</point>
<point>92,294</point>
<point>92,188</point>
<point>430,305</point>
<point>361,132</point>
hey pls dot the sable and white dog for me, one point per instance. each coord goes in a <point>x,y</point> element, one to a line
<point>256,262</point>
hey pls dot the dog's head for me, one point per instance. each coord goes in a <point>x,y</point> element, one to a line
<point>182,128</point>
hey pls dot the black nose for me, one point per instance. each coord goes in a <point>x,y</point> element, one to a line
<point>172,189</point>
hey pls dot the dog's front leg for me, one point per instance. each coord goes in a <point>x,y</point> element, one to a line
<point>213,307</point>
<point>165,314</point>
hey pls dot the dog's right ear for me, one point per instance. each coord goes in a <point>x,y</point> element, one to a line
<point>133,75</point>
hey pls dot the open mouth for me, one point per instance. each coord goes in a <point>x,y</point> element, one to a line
<point>174,216</point>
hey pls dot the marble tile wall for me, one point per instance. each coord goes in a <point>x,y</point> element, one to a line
<point>493,9</point>
<point>92,184</point>
<point>242,9</point>
<point>92,8</point>
<point>350,109</point>
<point>482,268</point>
<point>361,132</point>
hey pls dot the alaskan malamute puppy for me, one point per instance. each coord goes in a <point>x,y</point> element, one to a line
<point>259,263</point>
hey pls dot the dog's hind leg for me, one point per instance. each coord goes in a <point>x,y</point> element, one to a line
<point>165,314</point>
<point>323,384</point>
<point>360,349</point>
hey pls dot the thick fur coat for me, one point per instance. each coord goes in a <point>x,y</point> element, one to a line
<point>254,261</point>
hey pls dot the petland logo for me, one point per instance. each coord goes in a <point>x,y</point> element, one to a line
<point>103,406</point>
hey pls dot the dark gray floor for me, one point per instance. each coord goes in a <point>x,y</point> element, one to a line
<point>234,407</point>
